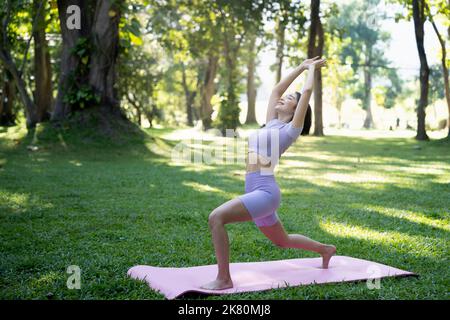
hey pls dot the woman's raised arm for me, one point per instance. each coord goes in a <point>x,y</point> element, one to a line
<point>282,86</point>
<point>302,105</point>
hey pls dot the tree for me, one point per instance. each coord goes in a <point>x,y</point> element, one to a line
<point>7,97</point>
<point>418,10</point>
<point>289,18</point>
<point>293,37</point>
<point>315,48</point>
<point>207,89</point>
<point>189,93</point>
<point>12,66</point>
<point>42,68</point>
<point>205,46</point>
<point>256,41</point>
<point>281,21</point>
<point>235,19</point>
<point>231,23</point>
<point>251,84</point>
<point>189,31</point>
<point>436,84</point>
<point>442,8</point>
<point>338,76</point>
<point>139,72</point>
<point>390,90</point>
<point>363,48</point>
<point>88,61</point>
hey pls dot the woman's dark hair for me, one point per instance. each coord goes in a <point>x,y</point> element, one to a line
<point>308,117</point>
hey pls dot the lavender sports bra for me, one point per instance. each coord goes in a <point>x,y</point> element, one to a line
<point>275,137</point>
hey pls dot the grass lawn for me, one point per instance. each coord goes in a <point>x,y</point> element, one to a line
<point>106,208</point>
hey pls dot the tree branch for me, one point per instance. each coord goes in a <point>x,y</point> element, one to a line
<point>5,25</point>
<point>22,67</point>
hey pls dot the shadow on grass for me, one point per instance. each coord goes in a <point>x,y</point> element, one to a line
<point>108,206</point>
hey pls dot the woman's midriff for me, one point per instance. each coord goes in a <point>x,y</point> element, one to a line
<point>256,162</point>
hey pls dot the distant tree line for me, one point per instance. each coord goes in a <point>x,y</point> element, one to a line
<point>177,60</point>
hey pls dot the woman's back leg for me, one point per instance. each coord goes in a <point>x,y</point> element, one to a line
<point>278,235</point>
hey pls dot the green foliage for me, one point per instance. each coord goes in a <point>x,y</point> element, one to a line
<point>81,96</point>
<point>228,117</point>
<point>157,37</point>
<point>188,33</point>
<point>289,15</point>
<point>191,31</point>
<point>436,83</point>
<point>82,48</point>
<point>139,74</point>
<point>78,93</point>
<point>390,90</point>
<point>359,21</point>
<point>394,89</point>
<point>130,31</point>
<point>235,19</point>
<point>363,47</point>
<point>19,26</point>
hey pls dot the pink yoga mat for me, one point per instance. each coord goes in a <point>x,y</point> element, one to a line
<point>259,276</point>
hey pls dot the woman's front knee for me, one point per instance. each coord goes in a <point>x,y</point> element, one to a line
<point>215,218</point>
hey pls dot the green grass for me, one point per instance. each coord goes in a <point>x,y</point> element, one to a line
<point>106,207</point>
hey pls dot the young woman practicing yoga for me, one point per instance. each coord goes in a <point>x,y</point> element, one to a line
<point>284,123</point>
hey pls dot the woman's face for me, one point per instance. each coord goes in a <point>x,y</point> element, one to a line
<point>287,104</point>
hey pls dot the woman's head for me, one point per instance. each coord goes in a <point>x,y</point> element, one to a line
<point>287,104</point>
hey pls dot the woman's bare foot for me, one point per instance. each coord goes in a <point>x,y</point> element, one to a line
<point>328,252</point>
<point>218,284</point>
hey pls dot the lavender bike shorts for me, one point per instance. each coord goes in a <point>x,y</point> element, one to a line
<point>262,198</point>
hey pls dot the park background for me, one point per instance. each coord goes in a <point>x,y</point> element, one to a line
<point>89,117</point>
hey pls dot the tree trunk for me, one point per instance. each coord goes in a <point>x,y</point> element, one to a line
<point>189,97</point>
<point>315,7</point>
<point>251,86</point>
<point>136,106</point>
<point>69,61</point>
<point>42,68</point>
<point>229,110</point>
<point>149,117</point>
<point>280,33</point>
<point>419,19</point>
<point>318,123</point>
<point>7,117</point>
<point>339,101</point>
<point>100,26</point>
<point>208,91</point>
<point>444,68</point>
<point>30,108</point>
<point>105,38</point>
<point>139,116</point>
<point>368,122</point>
<point>316,33</point>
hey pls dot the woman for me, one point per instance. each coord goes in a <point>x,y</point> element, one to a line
<point>285,118</point>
